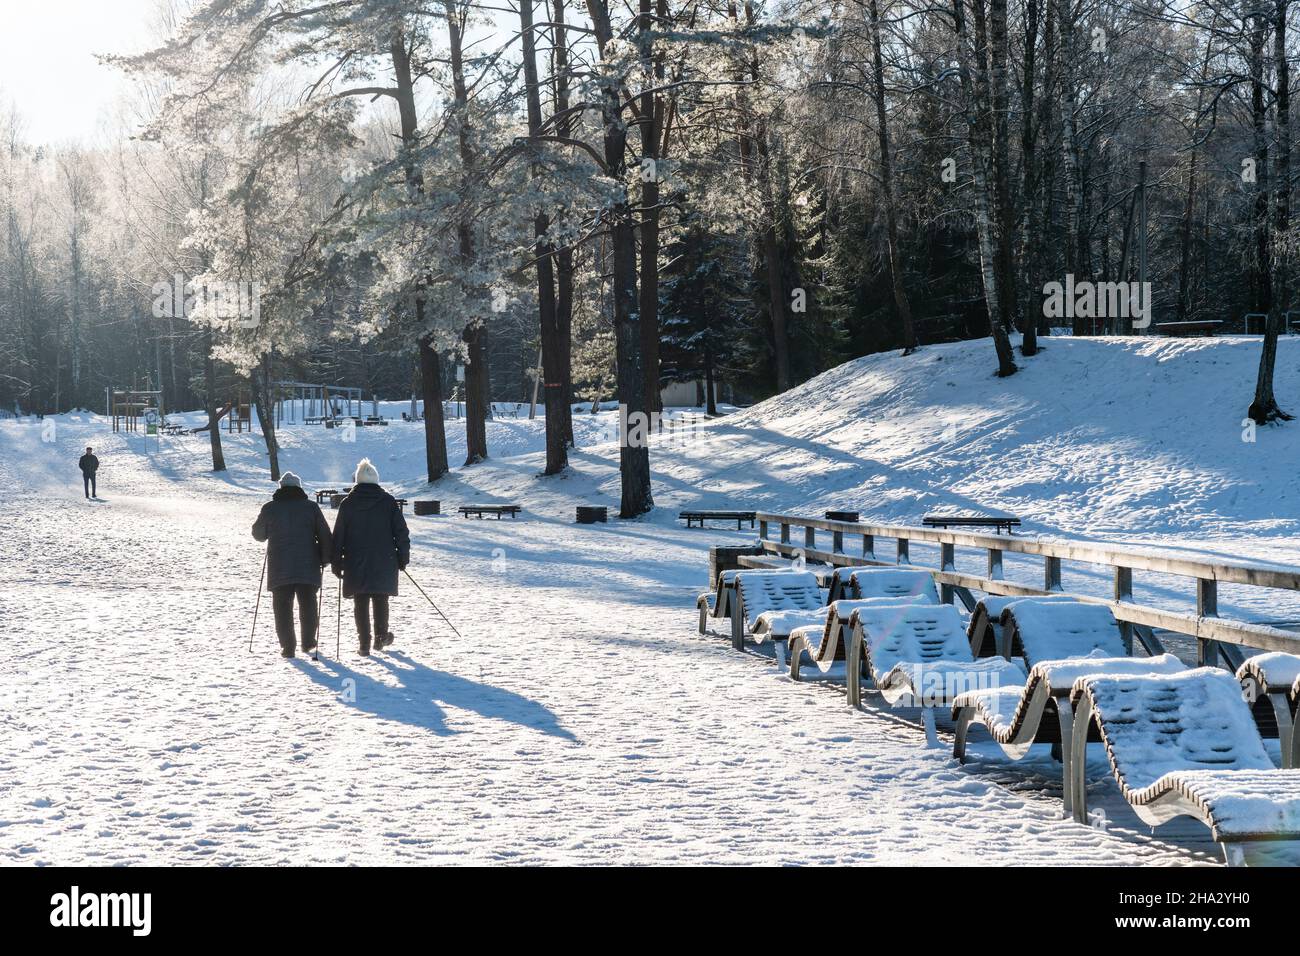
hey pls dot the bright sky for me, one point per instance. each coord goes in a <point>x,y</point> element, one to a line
<point>48,67</point>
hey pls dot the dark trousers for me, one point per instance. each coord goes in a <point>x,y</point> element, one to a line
<point>282,602</point>
<point>361,613</point>
<point>88,479</point>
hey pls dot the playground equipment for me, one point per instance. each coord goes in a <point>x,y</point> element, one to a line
<point>240,415</point>
<point>128,407</point>
<point>1262,317</point>
<point>313,404</point>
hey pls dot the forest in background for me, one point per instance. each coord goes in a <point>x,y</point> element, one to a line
<point>626,194</point>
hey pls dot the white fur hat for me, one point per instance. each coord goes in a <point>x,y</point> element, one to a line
<point>290,480</point>
<point>366,474</point>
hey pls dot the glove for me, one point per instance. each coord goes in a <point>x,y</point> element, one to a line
<point>337,569</point>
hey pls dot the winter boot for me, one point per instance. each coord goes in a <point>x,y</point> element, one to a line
<point>385,640</point>
<point>308,645</point>
<point>286,652</point>
<point>364,650</point>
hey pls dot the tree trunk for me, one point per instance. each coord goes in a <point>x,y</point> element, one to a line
<point>478,406</point>
<point>564,257</point>
<point>1271,251</point>
<point>1028,203</point>
<point>210,388</point>
<point>651,109</point>
<point>259,379</point>
<point>634,452</point>
<point>975,91</point>
<point>901,304</point>
<point>477,392</point>
<point>552,366</point>
<point>1070,170</point>
<point>435,433</point>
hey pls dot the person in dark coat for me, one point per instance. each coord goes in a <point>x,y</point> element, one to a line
<point>298,547</point>
<point>371,545</point>
<point>89,464</point>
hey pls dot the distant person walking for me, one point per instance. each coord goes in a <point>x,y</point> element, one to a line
<point>89,464</point>
<point>371,546</point>
<point>298,547</point>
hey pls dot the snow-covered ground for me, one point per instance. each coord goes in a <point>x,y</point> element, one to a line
<point>581,718</point>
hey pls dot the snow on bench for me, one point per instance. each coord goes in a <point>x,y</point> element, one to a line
<point>1185,744</point>
<point>985,626</point>
<point>1018,717</point>
<point>1275,677</point>
<point>895,583</point>
<point>1054,629</point>
<point>757,594</point>
<point>919,655</point>
<point>717,603</point>
<point>827,643</point>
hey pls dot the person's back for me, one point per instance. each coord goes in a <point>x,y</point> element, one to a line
<point>298,547</point>
<point>371,547</point>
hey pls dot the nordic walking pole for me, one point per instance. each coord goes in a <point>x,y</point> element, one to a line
<point>338,632</point>
<point>431,604</point>
<point>320,601</point>
<point>258,605</point>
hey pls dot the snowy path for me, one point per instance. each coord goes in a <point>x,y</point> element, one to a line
<point>583,720</point>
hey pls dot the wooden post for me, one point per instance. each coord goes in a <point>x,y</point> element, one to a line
<point>809,538</point>
<point>837,542</point>
<point>1124,593</point>
<point>869,546</point>
<point>785,533</point>
<point>904,551</point>
<point>1051,574</point>
<point>762,530</point>
<point>995,564</point>
<point>1207,605</point>
<point>947,562</point>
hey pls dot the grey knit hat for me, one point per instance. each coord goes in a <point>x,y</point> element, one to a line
<point>290,480</point>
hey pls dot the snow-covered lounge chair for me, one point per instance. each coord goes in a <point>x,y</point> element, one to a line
<point>919,655</point>
<point>1185,744</point>
<point>985,626</point>
<point>717,603</point>
<point>827,644</point>
<point>1017,717</point>
<point>766,595</point>
<point>914,584</point>
<point>1275,677</point>
<point>1060,640</point>
<point>824,637</point>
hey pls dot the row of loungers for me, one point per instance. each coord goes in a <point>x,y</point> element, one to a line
<point>1178,740</point>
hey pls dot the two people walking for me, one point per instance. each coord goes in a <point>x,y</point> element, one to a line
<point>369,546</point>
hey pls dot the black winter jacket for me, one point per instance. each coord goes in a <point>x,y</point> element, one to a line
<point>371,542</point>
<point>88,464</point>
<point>297,536</point>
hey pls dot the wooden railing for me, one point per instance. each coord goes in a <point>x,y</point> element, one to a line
<point>1217,637</point>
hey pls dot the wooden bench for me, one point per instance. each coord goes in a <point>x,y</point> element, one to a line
<point>324,493</point>
<point>692,517</point>
<point>1185,329</point>
<point>996,522</point>
<point>480,510</point>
